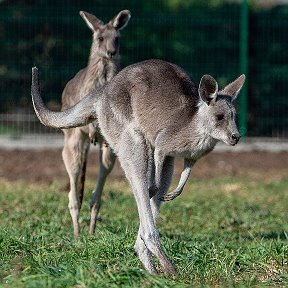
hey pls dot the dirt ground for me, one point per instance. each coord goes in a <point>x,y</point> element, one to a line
<point>47,166</point>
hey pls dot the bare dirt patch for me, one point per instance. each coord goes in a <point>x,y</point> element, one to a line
<point>47,166</point>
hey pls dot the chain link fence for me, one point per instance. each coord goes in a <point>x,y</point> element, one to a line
<point>200,39</point>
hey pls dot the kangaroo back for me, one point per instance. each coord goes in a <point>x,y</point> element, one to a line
<point>151,94</point>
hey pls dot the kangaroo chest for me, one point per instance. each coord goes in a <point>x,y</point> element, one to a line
<point>202,147</point>
<point>195,149</point>
<point>97,75</point>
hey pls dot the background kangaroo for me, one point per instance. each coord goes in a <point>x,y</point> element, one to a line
<point>149,113</point>
<point>102,66</point>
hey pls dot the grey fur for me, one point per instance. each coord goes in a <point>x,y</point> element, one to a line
<point>102,65</point>
<point>149,113</point>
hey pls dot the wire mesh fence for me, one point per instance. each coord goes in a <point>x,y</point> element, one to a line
<point>200,39</point>
<point>18,124</point>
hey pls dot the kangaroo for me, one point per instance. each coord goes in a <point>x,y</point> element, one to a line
<point>149,113</point>
<point>102,66</point>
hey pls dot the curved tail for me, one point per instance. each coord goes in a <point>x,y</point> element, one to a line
<point>79,115</point>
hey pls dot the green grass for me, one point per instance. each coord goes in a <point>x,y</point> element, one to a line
<point>5,130</point>
<point>227,232</point>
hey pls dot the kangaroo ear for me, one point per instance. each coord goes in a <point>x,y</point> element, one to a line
<point>208,89</point>
<point>92,21</point>
<point>234,87</point>
<point>121,19</point>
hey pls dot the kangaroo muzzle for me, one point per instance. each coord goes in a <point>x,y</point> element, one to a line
<point>234,138</point>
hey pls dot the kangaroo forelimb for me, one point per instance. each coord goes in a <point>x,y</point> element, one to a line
<point>188,163</point>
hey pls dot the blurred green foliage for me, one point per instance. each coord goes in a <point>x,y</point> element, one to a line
<point>200,36</point>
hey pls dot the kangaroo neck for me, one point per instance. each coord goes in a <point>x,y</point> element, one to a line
<point>200,134</point>
<point>190,139</point>
<point>98,72</point>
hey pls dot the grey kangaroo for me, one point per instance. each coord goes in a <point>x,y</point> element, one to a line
<point>149,113</point>
<point>103,64</point>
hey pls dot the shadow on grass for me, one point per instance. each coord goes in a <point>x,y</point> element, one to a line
<point>273,235</point>
<point>228,236</point>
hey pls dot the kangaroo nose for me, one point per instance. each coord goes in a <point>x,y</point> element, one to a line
<point>235,137</point>
<point>111,53</point>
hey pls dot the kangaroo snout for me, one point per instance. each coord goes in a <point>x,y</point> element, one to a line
<point>111,53</point>
<point>235,137</point>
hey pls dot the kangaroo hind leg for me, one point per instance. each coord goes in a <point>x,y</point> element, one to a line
<point>133,156</point>
<point>106,159</point>
<point>163,183</point>
<point>74,156</point>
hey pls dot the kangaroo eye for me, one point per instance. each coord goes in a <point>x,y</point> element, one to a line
<point>220,117</point>
<point>100,38</point>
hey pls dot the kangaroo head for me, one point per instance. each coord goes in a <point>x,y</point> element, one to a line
<point>106,36</point>
<point>217,111</point>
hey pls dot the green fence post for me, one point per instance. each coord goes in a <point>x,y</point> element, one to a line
<point>244,21</point>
